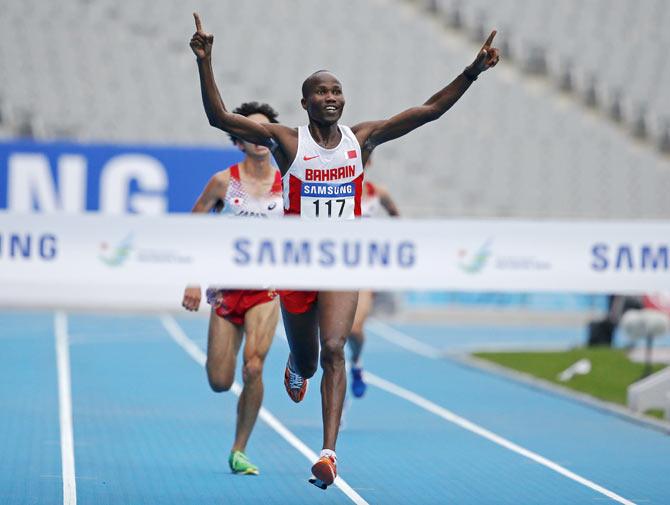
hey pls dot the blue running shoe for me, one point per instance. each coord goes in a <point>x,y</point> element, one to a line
<point>358,386</point>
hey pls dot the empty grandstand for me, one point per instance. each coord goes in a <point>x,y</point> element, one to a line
<point>122,72</point>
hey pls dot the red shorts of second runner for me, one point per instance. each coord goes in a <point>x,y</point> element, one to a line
<point>297,302</point>
<point>232,305</point>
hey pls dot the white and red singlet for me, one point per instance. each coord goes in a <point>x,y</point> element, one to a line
<point>325,183</point>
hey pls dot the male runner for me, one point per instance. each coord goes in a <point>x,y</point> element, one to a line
<point>249,188</point>
<point>324,152</point>
<point>375,198</point>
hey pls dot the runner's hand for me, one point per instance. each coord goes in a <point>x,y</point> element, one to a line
<point>201,42</point>
<point>486,58</point>
<point>191,299</point>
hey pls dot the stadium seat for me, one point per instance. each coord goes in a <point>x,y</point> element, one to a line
<point>512,147</point>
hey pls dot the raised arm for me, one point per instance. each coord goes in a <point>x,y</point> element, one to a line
<point>217,114</point>
<point>373,133</point>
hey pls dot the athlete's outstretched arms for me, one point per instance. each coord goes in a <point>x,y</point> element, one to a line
<point>371,134</point>
<point>218,116</point>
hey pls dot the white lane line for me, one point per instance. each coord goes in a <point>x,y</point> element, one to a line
<point>402,340</point>
<point>472,427</point>
<point>198,355</point>
<point>65,409</point>
<point>483,432</point>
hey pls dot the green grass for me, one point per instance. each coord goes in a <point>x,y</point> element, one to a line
<point>611,370</point>
<point>655,413</point>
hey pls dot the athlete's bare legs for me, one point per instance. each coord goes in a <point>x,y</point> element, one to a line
<point>224,343</point>
<point>302,333</point>
<point>357,337</point>
<point>260,323</point>
<point>329,321</point>
<point>357,340</point>
<point>336,315</point>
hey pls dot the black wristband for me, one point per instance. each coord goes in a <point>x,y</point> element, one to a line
<point>469,76</point>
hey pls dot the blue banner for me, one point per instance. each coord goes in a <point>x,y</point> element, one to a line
<point>325,190</point>
<point>55,176</point>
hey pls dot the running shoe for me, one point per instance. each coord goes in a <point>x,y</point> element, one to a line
<point>358,386</point>
<point>240,464</point>
<point>296,386</point>
<point>324,471</point>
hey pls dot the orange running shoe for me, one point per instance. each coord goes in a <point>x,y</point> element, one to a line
<point>296,386</point>
<point>324,471</point>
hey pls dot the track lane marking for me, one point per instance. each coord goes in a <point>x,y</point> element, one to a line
<point>192,349</point>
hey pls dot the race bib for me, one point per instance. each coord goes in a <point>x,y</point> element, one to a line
<point>322,200</point>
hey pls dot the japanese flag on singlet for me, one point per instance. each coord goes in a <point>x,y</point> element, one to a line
<point>325,183</point>
<point>239,201</point>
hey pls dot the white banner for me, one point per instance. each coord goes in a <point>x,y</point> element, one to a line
<point>94,260</point>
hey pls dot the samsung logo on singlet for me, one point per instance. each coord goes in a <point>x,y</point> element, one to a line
<point>324,253</point>
<point>323,189</point>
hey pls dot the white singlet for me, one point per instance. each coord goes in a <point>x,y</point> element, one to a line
<point>239,202</point>
<point>325,183</point>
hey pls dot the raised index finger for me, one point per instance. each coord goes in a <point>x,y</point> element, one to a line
<point>490,39</point>
<point>198,24</point>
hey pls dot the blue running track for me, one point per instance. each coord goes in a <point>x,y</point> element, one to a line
<point>147,429</point>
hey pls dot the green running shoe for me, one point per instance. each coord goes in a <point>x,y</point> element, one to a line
<point>239,463</point>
